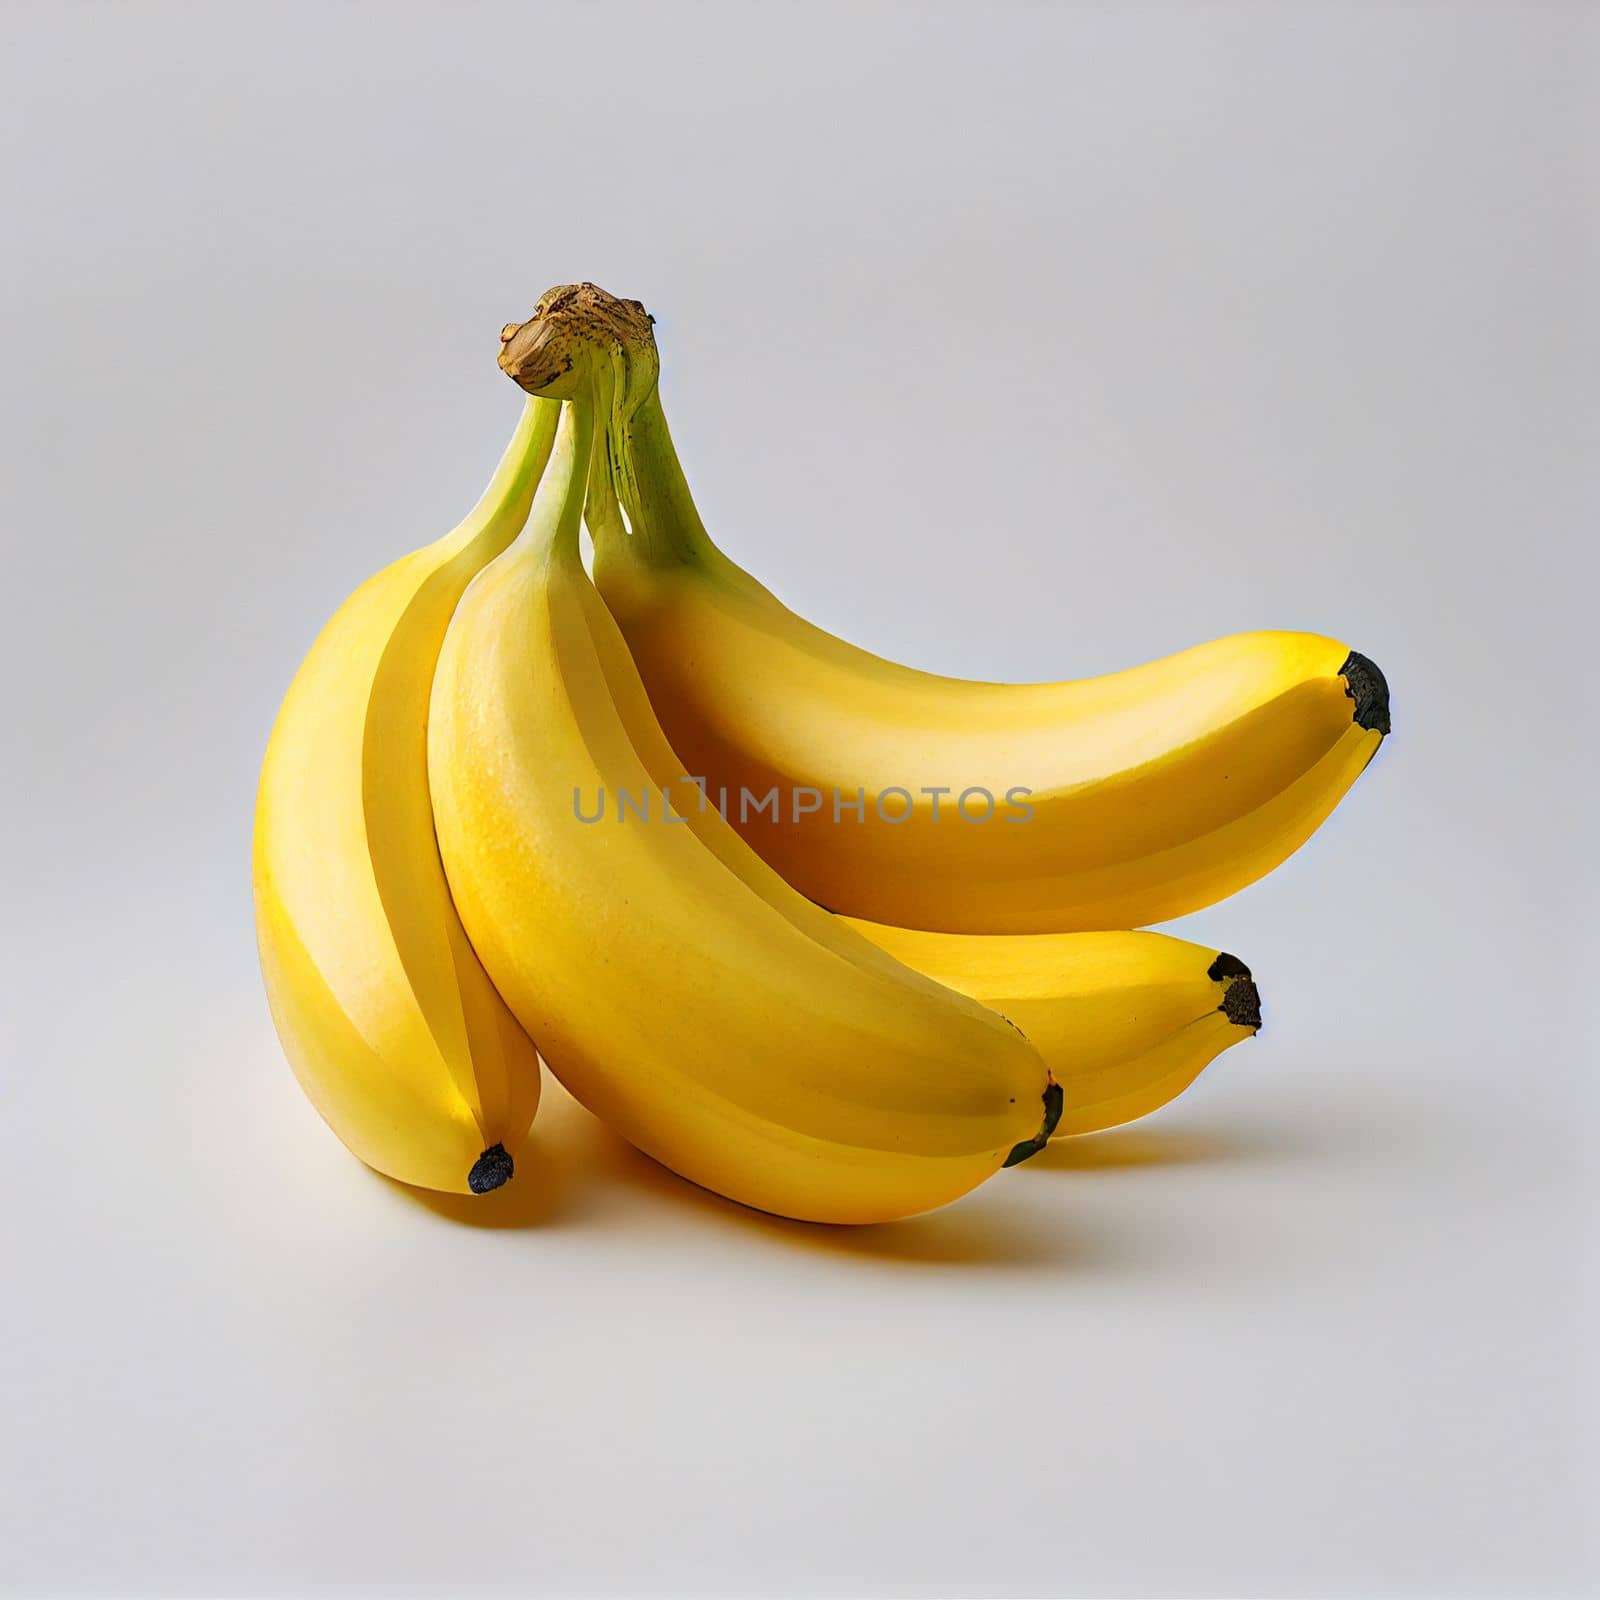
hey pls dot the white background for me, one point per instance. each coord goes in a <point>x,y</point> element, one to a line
<point>1021,344</point>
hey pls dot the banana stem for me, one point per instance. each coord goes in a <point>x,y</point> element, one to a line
<point>590,348</point>
<point>557,515</point>
<point>667,529</point>
<point>610,471</point>
<point>510,490</point>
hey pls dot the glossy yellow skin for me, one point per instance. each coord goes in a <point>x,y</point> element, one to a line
<point>745,1039</point>
<point>1125,1021</point>
<point>385,1013</point>
<point>1153,792</point>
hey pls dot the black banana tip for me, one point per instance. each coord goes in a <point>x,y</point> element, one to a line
<point>1241,1003</point>
<point>1226,966</point>
<point>1365,683</point>
<point>1054,1100</point>
<point>490,1170</point>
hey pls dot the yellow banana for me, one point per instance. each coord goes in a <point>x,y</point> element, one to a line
<point>939,803</point>
<point>1125,1021</point>
<point>745,1039</point>
<point>388,1019</point>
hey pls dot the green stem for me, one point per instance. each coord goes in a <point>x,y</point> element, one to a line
<point>667,529</point>
<point>557,515</point>
<point>609,467</point>
<point>504,504</point>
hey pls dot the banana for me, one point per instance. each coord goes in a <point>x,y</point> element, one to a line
<point>741,1036</point>
<point>1125,1021</point>
<point>385,1013</point>
<point>906,798</point>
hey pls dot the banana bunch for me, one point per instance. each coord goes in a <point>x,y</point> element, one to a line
<point>507,807</point>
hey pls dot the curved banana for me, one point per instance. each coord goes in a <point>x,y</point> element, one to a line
<point>933,802</point>
<point>749,1041</point>
<point>388,1019</point>
<point>1125,1021</point>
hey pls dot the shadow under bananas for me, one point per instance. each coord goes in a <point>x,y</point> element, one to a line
<point>985,1229</point>
<point>1289,1135</point>
<point>574,1171</point>
<point>1140,1147</point>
